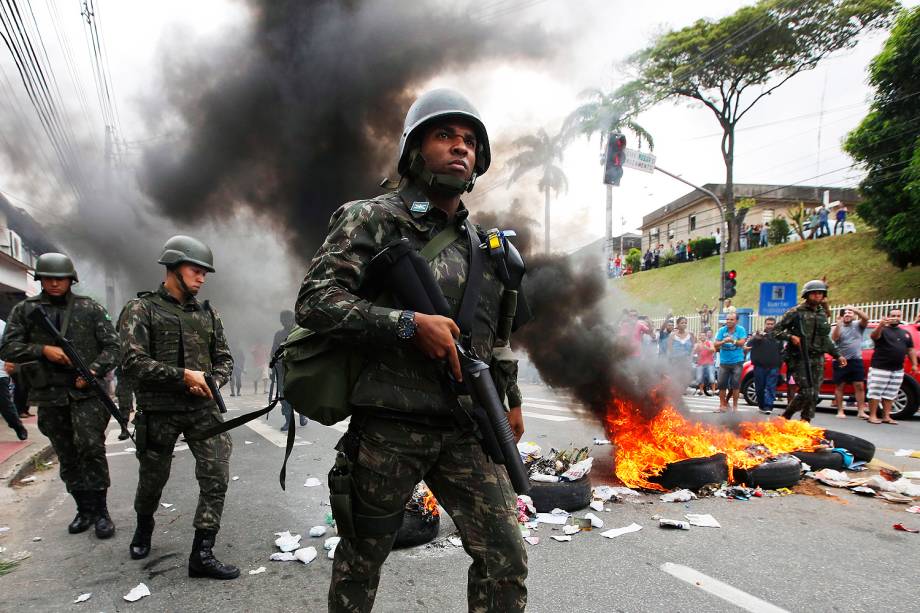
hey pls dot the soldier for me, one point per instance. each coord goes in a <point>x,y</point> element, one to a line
<point>277,375</point>
<point>69,414</point>
<point>807,330</point>
<point>124,392</point>
<point>170,342</point>
<point>407,424</point>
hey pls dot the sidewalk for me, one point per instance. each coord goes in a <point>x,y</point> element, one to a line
<point>16,457</point>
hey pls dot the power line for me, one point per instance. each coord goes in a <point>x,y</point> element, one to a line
<point>65,46</point>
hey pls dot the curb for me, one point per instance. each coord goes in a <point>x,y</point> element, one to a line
<point>28,465</point>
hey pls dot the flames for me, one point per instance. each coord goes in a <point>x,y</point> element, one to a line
<point>423,502</point>
<point>645,446</point>
<point>430,503</point>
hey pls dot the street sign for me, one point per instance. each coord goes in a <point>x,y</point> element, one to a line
<point>777,298</point>
<point>639,160</point>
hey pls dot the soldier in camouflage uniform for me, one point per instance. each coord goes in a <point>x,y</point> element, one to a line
<point>808,332</point>
<point>170,342</point>
<point>69,414</point>
<point>407,423</point>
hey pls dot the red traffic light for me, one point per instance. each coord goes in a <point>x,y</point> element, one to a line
<point>732,274</point>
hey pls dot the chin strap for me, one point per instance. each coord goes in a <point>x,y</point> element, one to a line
<point>445,184</point>
<point>185,289</point>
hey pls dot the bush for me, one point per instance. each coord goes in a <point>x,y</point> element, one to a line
<point>668,257</point>
<point>703,247</point>
<point>634,259</point>
<point>779,231</point>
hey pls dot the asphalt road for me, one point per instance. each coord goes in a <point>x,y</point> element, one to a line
<point>797,553</point>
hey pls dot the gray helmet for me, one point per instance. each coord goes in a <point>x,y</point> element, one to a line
<point>814,286</point>
<point>54,266</point>
<point>182,249</point>
<point>438,104</point>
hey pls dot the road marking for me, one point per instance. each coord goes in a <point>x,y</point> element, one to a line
<point>342,426</point>
<point>547,407</point>
<point>722,590</point>
<point>273,435</point>
<point>179,447</point>
<point>547,417</point>
<point>549,400</point>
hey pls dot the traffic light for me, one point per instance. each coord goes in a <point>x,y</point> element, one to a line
<point>613,158</point>
<point>729,281</point>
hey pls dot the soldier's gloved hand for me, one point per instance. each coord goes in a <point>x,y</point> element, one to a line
<point>516,421</point>
<point>194,381</point>
<point>55,354</point>
<point>81,383</point>
<point>435,336</point>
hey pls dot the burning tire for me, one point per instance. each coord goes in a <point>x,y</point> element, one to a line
<point>417,529</point>
<point>820,459</point>
<point>859,447</point>
<point>782,471</point>
<point>566,495</point>
<point>694,473</point>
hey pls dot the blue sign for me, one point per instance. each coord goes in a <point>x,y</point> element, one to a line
<point>777,298</point>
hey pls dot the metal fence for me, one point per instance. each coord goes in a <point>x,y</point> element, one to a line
<point>874,310</point>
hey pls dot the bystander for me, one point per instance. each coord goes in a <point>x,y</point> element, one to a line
<point>730,342</point>
<point>766,356</point>
<point>848,335</point>
<point>886,373</point>
<point>706,380</point>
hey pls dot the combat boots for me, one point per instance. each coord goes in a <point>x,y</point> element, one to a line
<point>202,563</point>
<point>123,435</point>
<point>104,526</point>
<point>84,517</point>
<point>140,542</point>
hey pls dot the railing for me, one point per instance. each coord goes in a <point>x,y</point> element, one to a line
<point>910,308</point>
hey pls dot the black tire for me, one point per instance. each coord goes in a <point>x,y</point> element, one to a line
<point>782,471</point>
<point>748,391</point>
<point>908,399</point>
<point>694,473</point>
<point>566,495</point>
<point>417,529</point>
<point>820,459</point>
<point>859,447</point>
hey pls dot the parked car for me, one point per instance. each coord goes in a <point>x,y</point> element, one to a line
<point>793,236</point>
<point>905,405</point>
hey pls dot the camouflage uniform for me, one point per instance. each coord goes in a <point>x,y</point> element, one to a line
<point>124,392</point>
<point>406,426</point>
<point>160,338</point>
<point>73,420</point>
<point>816,337</point>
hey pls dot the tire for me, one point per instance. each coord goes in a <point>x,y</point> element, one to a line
<point>820,459</point>
<point>859,447</point>
<point>908,399</point>
<point>748,391</point>
<point>694,473</point>
<point>417,529</point>
<point>566,495</point>
<point>782,471</point>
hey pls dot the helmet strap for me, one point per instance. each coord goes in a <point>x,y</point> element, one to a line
<point>439,183</point>
<point>185,290</point>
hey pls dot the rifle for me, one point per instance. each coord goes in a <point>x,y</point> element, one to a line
<point>409,278</point>
<point>215,392</point>
<point>40,318</point>
<point>803,348</point>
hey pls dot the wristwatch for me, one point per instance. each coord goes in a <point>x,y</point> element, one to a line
<point>406,326</point>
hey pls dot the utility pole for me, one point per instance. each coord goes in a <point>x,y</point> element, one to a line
<point>608,243</point>
<point>110,302</point>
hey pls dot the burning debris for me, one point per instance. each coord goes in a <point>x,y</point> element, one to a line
<point>566,465</point>
<point>423,502</point>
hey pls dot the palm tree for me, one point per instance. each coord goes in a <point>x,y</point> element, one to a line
<point>606,112</point>
<point>541,151</point>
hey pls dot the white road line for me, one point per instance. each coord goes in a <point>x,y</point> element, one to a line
<point>273,435</point>
<point>560,400</point>
<point>342,426</point>
<point>722,590</point>
<point>547,417</point>
<point>547,407</point>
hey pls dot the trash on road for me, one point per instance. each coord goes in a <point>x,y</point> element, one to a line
<point>29,479</point>
<point>704,520</point>
<point>673,524</point>
<point>601,441</point>
<point>282,556</point>
<point>306,554</point>
<point>166,505</point>
<point>863,490</point>
<point>541,478</point>
<point>561,539</point>
<point>834,478</point>
<point>567,465</point>
<point>895,497</point>
<point>597,505</point>
<point>83,598</point>
<point>678,496</point>
<point>139,591</point>
<point>247,442</point>
<point>312,482</point>
<point>913,509</point>
<point>235,478</point>
<point>257,571</point>
<point>533,540</point>
<point>903,528</point>
<point>607,493</point>
<point>596,522</point>
<point>331,542</point>
<point>557,517</point>
<point>569,529</point>
<point>615,532</point>
<point>317,531</point>
<point>35,539</point>
<point>287,541</point>
<point>456,541</point>
<point>578,470</point>
<point>529,451</point>
<point>903,453</point>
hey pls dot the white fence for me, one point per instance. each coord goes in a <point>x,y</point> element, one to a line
<point>874,310</point>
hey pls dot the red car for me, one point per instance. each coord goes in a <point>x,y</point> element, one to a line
<point>905,405</point>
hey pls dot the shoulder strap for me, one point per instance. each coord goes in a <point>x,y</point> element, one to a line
<point>440,242</point>
<point>65,324</point>
<point>473,283</point>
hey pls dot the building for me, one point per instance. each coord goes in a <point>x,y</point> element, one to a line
<point>696,215</point>
<point>596,247</point>
<point>22,240</point>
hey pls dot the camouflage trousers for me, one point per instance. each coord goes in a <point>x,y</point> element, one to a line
<point>77,434</point>
<point>159,433</point>
<point>806,397</point>
<point>393,456</point>
<point>125,396</point>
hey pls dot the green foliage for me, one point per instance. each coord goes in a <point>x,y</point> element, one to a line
<point>887,143</point>
<point>606,112</point>
<point>703,247</point>
<point>799,216</point>
<point>7,566</point>
<point>668,257</point>
<point>634,259</point>
<point>540,151</point>
<point>778,231</point>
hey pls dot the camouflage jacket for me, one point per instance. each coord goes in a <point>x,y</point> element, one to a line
<point>160,338</point>
<point>333,301</point>
<point>816,327</point>
<point>90,330</point>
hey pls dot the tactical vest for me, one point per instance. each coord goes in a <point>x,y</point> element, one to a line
<point>179,338</point>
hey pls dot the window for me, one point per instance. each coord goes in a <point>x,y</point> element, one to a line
<point>692,223</point>
<point>671,231</point>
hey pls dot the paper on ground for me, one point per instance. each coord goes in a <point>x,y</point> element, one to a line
<point>287,541</point>
<point>704,520</point>
<point>317,531</point>
<point>235,478</point>
<point>28,479</point>
<point>331,542</point>
<point>455,541</point>
<point>312,482</point>
<point>678,496</point>
<point>137,593</point>
<point>282,556</point>
<point>257,571</point>
<point>569,530</point>
<point>597,505</point>
<point>549,518</point>
<point>903,452</point>
<point>615,532</point>
<point>82,598</point>
<point>561,539</point>
<point>165,505</point>
<point>596,522</point>
<point>247,442</point>
<point>533,540</point>
<point>305,554</point>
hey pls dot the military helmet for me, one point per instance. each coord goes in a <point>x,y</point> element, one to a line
<point>438,104</point>
<point>54,266</point>
<point>814,286</point>
<point>182,249</point>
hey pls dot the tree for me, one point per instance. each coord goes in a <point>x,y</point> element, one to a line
<point>606,112</point>
<point>887,144</point>
<point>779,231</point>
<point>541,151</point>
<point>799,216</point>
<point>634,260</point>
<point>731,64</point>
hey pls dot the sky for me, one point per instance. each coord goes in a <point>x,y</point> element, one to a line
<point>791,137</point>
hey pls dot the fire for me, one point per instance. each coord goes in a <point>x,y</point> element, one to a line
<point>430,503</point>
<point>644,447</point>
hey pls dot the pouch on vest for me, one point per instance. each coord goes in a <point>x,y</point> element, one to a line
<point>35,374</point>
